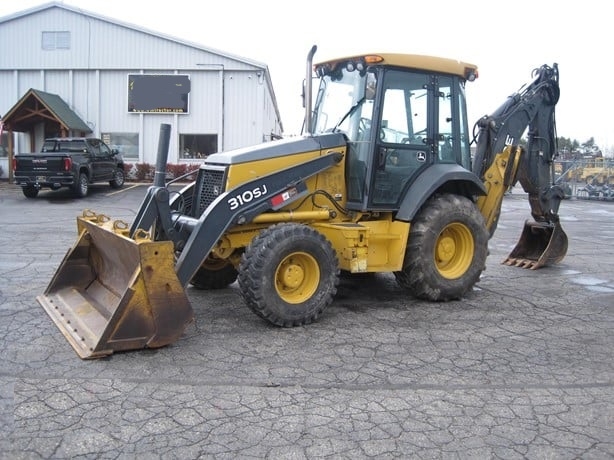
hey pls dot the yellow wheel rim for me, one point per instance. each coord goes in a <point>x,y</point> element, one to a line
<point>454,251</point>
<point>297,277</point>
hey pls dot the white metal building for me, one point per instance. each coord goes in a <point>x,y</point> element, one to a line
<point>69,72</point>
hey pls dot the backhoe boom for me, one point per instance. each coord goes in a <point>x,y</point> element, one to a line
<point>500,161</point>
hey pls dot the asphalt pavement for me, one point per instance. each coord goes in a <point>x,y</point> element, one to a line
<point>522,368</point>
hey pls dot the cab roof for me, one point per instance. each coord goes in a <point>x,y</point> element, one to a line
<point>410,61</point>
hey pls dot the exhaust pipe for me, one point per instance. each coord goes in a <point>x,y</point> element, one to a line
<point>308,89</point>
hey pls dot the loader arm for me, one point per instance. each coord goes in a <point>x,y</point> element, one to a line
<point>500,162</point>
<point>275,190</point>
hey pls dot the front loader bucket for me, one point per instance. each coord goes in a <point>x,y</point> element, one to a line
<point>540,244</point>
<point>114,293</point>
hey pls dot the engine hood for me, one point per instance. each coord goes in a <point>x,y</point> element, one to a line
<point>279,148</point>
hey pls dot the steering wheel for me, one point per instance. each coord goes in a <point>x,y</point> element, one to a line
<point>364,126</point>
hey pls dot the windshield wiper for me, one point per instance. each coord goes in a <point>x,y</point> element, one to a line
<point>353,109</point>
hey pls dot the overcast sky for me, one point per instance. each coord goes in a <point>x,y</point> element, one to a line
<point>507,40</point>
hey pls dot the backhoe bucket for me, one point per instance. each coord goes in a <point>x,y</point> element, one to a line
<point>114,293</point>
<point>540,244</point>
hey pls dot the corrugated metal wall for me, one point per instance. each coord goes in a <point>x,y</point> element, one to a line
<point>229,96</point>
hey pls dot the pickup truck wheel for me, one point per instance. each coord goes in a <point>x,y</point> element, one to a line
<point>30,192</point>
<point>118,179</point>
<point>81,187</point>
<point>446,251</point>
<point>289,274</point>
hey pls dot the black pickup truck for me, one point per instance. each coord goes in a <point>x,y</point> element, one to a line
<point>74,162</point>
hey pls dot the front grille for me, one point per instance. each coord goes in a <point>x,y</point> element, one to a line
<point>209,185</point>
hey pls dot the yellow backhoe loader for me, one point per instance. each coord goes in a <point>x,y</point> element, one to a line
<point>382,180</point>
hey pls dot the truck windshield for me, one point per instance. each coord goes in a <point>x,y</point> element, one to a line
<point>341,103</point>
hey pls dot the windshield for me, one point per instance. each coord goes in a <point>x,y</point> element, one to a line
<point>341,103</point>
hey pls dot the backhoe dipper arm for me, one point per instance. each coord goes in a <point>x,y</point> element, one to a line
<point>531,107</point>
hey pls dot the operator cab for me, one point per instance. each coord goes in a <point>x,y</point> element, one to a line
<point>401,115</point>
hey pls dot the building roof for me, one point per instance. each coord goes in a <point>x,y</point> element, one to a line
<point>73,9</point>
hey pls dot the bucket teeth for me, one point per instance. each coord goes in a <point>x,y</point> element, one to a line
<point>522,263</point>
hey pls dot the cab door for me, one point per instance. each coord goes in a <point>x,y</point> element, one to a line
<point>404,143</point>
<point>103,164</point>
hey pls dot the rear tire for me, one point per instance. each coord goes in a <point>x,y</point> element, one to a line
<point>119,178</point>
<point>214,274</point>
<point>446,251</point>
<point>30,192</point>
<point>81,187</point>
<point>289,274</point>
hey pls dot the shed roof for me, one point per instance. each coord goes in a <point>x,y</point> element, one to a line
<point>36,106</point>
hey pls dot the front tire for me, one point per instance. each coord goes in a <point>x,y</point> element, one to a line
<point>289,274</point>
<point>447,249</point>
<point>81,187</point>
<point>119,178</point>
